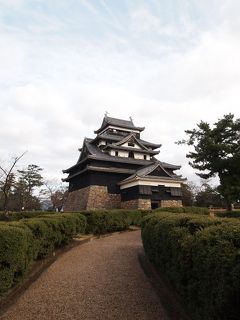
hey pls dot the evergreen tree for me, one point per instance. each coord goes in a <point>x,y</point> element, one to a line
<point>217,152</point>
<point>29,179</point>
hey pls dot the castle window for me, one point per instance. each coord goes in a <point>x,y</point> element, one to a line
<point>176,192</point>
<point>145,157</point>
<point>145,190</point>
<point>116,153</point>
<point>130,144</point>
<point>131,154</point>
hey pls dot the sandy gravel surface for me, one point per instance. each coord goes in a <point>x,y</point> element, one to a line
<point>101,279</point>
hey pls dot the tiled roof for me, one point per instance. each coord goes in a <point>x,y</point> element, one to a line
<point>128,124</point>
<point>145,151</point>
<point>95,153</point>
<point>144,172</point>
<point>115,137</point>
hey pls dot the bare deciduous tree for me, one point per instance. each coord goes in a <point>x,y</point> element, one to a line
<point>7,180</point>
<point>57,193</point>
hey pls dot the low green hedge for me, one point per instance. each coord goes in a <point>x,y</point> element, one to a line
<point>135,216</point>
<point>15,216</point>
<point>227,214</point>
<point>200,256</point>
<point>104,221</point>
<point>27,240</point>
<point>193,210</point>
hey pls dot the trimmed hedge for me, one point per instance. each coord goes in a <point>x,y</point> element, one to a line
<point>227,214</point>
<point>104,221</point>
<point>193,210</point>
<point>100,222</point>
<point>15,216</point>
<point>27,240</point>
<point>200,257</point>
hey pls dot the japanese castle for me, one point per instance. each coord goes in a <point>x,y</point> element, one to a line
<point>117,169</point>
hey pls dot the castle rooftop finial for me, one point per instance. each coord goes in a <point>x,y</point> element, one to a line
<point>106,114</point>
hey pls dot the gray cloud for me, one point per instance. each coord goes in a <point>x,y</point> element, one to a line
<point>58,79</point>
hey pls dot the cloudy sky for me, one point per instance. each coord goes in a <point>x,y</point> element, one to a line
<point>63,63</point>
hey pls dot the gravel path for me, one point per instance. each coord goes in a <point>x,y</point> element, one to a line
<point>101,279</point>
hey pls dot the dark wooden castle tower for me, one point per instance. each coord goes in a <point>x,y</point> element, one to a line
<point>117,169</point>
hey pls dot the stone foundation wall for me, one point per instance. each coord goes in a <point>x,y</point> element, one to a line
<point>99,198</point>
<point>143,204</point>
<point>171,203</point>
<point>92,198</point>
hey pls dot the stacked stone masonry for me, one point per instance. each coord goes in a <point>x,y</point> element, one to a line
<point>171,203</point>
<point>92,198</point>
<point>144,204</point>
<point>97,197</point>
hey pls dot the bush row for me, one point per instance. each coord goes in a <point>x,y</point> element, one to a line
<point>104,221</point>
<point>134,216</point>
<point>227,214</point>
<point>26,240</point>
<point>193,210</point>
<point>200,257</point>
<point>16,216</point>
<point>30,239</point>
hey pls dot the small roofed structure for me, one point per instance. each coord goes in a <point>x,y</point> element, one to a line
<point>117,169</point>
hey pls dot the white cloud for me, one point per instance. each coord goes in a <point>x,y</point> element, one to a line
<point>56,87</point>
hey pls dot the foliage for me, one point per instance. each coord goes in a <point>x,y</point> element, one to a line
<point>55,192</point>
<point>27,240</point>
<point>209,196</point>
<point>15,216</point>
<point>37,234</point>
<point>217,152</point>
<point>103,221</point>
<point>29,179</point>
<point>7,179</point>
<point>193,210</point>
<point>227,214</point>
<point>187,194</point>
<point>200,257</point>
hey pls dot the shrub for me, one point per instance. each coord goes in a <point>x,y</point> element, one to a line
<point>16,254</point>
<point>200,257</point>
<point>135,216</point>
<point>193,210</point>
<point>29,239</point>
<point>15,216</point>
<point>100,222</point>
<point>227,214</point>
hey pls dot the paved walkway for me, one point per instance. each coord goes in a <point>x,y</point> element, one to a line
<point>101,279</point>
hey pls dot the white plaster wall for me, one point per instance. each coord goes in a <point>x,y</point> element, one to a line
<point>120,129</point>
<point>102,143</point>
<point>151,183</point>
<point>112,153</point>
<point>123,154</point>
<point>120,153</point>
<point>139,156</point>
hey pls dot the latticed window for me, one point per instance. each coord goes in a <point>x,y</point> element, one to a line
<point>177,192</point>
<point>146,190</point>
